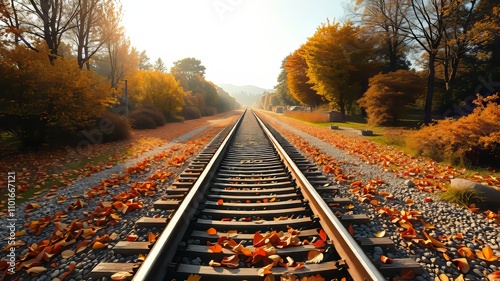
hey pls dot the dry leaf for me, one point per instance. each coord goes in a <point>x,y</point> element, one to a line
<point>216,248</point>
<point>380,234</point>
<point>314,256</point>
<point>67,254</point>
<point>98,245</point>
<point>385,259</point>
<point>486,254</point>
<point>462,264</point>
<point>121,276</point>
<point>212,231</point>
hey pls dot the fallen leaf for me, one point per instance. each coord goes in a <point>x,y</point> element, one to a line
<point>121,276</point>
<point>212,231</point>
<point>67,254</point>
<point>385,259</point>
<point>462,264</point>
<point>36,269</point>
<point>194,277</point>
<point>466,252</point>
<point>216,248</point>
<point>380,234</point>
<point>314,256</point>
<point>351,230</point>
<point>98,245</point>
<point>486,254</point>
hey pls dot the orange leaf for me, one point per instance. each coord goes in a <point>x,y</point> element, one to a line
<point>351,230</point>
<point>462,264</point>
<point>385,259</point>
<point>486,254</point>
<point>220,202</point>
<point>212,231</point>
<point>322,235</point>
<point>98,245</point>
<point>151,237</point>
<point>194,277</point>
<point>466,252</point>
<point>232,261</point>
<point>319,243</point>
<point>380,234</point>
<point>71,267</point>
<point>216,248</point>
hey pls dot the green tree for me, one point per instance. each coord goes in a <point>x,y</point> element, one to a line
<point>159,65</point>
<point>282,91</point>
<point>189,68</point>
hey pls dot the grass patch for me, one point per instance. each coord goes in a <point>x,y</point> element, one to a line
<point>461,196</point>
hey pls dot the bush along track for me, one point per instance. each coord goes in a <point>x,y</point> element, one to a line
<point>68,231</point>
<point>450,242</point>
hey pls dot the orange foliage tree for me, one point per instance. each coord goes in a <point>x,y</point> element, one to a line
<point>36,95</point>
<point>298,82</point>
<point>472,139</point>
<point>388,95</point>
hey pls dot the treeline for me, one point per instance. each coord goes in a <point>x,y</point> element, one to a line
<point>64,66</point>
<point>431,54</point>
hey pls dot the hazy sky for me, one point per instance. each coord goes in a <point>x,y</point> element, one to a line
<point>240,42</point>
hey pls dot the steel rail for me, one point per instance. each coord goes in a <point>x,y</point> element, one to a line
<point>157,262</point>
<point>360,266</point>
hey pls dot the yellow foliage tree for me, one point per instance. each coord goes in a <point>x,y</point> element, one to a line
<point>388,95</point>
<point>298,82</point>
<point>339,60</point>
<point>158,89</point>
<point>36,95</point>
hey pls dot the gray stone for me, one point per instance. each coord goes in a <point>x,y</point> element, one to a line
<point>409,183</point>
<point>490,195</point>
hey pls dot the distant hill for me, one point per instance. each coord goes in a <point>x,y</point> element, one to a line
<point>246,95</point>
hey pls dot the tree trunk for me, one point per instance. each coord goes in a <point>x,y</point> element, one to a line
<point>430,89</point>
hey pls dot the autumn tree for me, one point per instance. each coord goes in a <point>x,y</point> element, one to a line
<point>339,63</point>
<point>388,94</point>
<point>158,89</point>
<point>297,81</point>
<point>37,96</point>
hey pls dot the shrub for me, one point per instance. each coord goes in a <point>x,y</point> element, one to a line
<point>472,139</point>
<point>114,127</point>
<point>191,112</point>
<point>155,114</point>
<point>141,120</point>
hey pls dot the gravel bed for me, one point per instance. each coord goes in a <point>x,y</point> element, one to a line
<point>448,219</point>
<point>88,259</point>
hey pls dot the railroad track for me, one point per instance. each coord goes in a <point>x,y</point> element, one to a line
<point>250,206</point>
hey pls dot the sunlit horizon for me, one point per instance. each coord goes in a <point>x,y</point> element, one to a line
<point>239,42</point>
